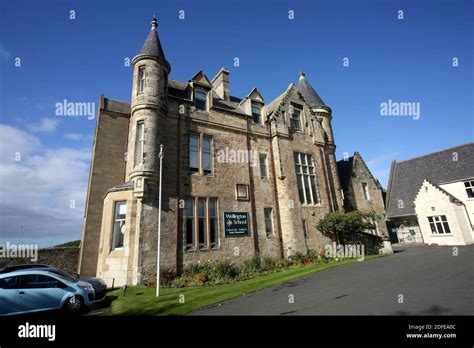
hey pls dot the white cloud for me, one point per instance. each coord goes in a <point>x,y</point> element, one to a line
<point>78,137</point>
<point>46,125</point>
<point>37,191</point>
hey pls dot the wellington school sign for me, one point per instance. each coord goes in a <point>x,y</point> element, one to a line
<point>236,224</point>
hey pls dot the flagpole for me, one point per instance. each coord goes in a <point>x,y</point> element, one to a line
<point>161,155</point>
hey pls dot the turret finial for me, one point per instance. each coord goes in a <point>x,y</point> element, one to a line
<point>301,75</point>
<point>154,23</point>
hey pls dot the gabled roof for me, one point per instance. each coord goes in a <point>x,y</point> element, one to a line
<point>406,177</point>
<point>308,93</point>
<point>346,168</point>
<point>201,78</point>
<point>443,191</point>
<point>255,95</point>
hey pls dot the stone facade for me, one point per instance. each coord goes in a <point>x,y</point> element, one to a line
<point>362,191</point>
<point>287,181</point>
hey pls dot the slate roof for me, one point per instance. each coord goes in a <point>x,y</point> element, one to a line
<point>439,167</point>
<point>152,46</point>
<point>308,93</point>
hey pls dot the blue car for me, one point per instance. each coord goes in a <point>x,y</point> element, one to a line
<point>35,290</point>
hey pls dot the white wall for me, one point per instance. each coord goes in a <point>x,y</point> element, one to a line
<point>435,202</point>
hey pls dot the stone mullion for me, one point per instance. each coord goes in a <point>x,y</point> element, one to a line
<point>208,230</point>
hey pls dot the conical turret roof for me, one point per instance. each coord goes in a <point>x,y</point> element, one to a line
<point>152,46</point>
<point>308,93</point>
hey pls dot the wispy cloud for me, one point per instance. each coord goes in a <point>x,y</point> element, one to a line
<point>380,166</point>
<point>45,125</point>
<point>78,137</point>
<point>44,191</point>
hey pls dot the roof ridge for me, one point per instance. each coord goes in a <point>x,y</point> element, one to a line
<point>435,152</point>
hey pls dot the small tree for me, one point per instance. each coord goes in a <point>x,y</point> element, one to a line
<point>338,224</point>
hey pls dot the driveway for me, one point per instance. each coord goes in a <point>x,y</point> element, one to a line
<point>426,280</point>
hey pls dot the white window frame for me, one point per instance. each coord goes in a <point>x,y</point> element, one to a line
<point>307,171</point>
<point>139,142</point>
<point>141,79</point>
<point>433,221</point>
<point>121,223</point>
<point>469,188</point>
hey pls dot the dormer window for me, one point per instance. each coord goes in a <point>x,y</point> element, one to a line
<point>256,114</point>
<point>200,100</point>
<point>141,79</point>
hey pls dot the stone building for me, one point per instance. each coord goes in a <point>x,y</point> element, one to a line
<point>362,191</point>
<point>430,199</point>
<point>241,177</point>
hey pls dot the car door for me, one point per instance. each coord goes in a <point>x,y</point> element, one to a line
<point>8,294</point>
<point>39,292</point>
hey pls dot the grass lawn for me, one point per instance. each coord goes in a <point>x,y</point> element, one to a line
<point>141,300</point>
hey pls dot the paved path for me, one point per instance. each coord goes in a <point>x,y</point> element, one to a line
<point>431,280</point>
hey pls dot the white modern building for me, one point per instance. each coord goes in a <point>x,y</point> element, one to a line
<point>430,199</point>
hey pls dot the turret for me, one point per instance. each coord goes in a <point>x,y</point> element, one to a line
<point>317,105</point>
<point>148,111</point>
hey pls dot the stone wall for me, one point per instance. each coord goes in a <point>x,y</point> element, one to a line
<point>63,258</point>
<point>107,170</point>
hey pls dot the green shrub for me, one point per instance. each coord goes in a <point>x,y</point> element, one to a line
<point>223,270</point>
<point>167,275</point>
<point>179,282</point>
<point>192,269</point>
<point>283,264</point>
<point>251,265</point>
<point>267,264</point>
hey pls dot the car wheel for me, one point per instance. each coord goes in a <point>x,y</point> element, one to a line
<point>74,305</point>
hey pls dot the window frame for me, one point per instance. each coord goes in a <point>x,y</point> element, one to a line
<point>268,221</point>
<point>141,83</point>
<point>114,221</point>
<point>365,191</point>
<point>139,152</point>
<point>469,188</point>
<point>265,165</point>
<point>258,115</point>
<point>197,244</point>
<point>201,171</point>
<point>205,99</point>
<point>435,221</point>
<point>305,171</point>
<point>296,110</point>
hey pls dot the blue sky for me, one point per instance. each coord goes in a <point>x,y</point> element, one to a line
<point>407,60</point>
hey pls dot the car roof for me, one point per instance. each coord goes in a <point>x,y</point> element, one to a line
<point>8,269</point>
<point>30,271</point>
